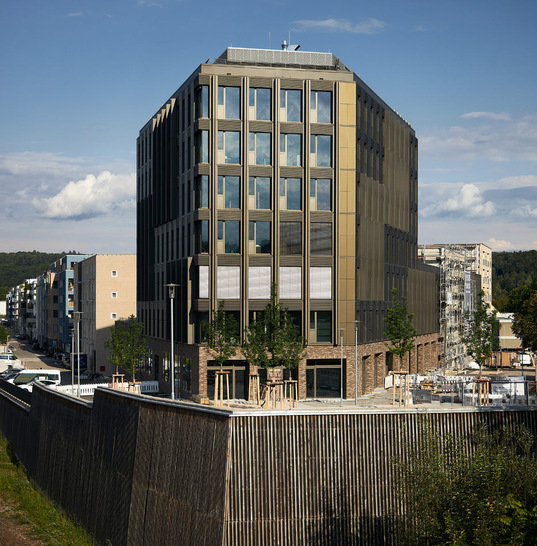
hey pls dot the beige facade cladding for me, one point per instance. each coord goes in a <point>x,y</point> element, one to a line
<point>107,284</point>
<point>373,180</point>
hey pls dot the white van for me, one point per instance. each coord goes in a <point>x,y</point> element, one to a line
<point>29,375</point>
<point>8,360</point>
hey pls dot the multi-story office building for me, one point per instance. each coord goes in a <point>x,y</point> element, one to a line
<point>280,166</point>
<point>105,291</point>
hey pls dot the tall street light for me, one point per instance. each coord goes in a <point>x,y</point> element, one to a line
<point>341,379</point>
<point>171,293</point>
<point>356,322</point>
<point>77,319</point>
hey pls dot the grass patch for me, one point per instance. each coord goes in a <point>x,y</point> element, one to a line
<point>30,507</point>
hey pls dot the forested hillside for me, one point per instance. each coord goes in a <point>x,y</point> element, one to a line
<point>511,270</point>
<point>15,267</point>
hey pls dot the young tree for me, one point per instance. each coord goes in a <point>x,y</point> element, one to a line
<point>399,329</point>
<point>222,339</point>
<point>274,340</point>
<point>479,332</point>
<point>525,322</point>
<point>126,346</point>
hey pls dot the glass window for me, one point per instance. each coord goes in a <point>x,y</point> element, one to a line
<point>202,236</point>
<point>291,149</point>
<point>229,102</point>
<point>291,192</point>
<point>321,150</point>
<point>321,326</point>
<point>321,193</point>
<point>229,232</point>
<point>260,148</point>
<point>260,102</point>
<point>228,187</point>
<point>202,191</point>
<point>290,238</point>
<point>259,189</point>
<point>259,233</point>
<point>321,239</point>
<point>202,101</point>
<point>229,144</point>
<point>202,147</point>
<point>321,103</point>
<point>291,103</point>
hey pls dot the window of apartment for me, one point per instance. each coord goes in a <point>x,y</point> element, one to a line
<point>228,282</point>
<point>202,191</point>
<point>290,105</point>
<point>113,316</point>
<point>290,285</point>
<point>321,326</point>
<point>321,283</point>
<point>229,102</point>
<point>114,273</point>
<point>202,101</point>
<point>229,235</point>
<point>229,147</point>
<point>202,147</point>
<point>228,192</point>
<point>259,283</point>
<point>321,151</point>
<point>290,238</point>
<point>290,149</point>
<point>202,236</point>
<point>321,239</point>
<point>260,103</point>
<point>321,194</point>
<point>259,192</point>
<point>259,237</point>
<point>291,193</point>
<point>114,294</point>
<point>321,107</point>
<point>260,149</point>
<point>55,313</point>
<point>203,288</point>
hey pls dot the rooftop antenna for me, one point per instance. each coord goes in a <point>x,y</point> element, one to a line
<point>289,47</point>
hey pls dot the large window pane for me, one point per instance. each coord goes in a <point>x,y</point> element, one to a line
<point>260,144</point>
<point>202,148</point>
<point>203,102</point>
<point>321,147</point>
<point>324,326</point>
<point>294,191</point>
<point>292,143</point>
<point>232,236</point>
<point>259,187</point>
<point>260,99</point>
<point>229,98</point>
<point>202,191</point>
<point>229,142</point>
<point>322,102</point>
<point>324,194</point>
<point>262,237</point>
<point>291,101</point>
<point>290,238</point>
<point>321,239</point>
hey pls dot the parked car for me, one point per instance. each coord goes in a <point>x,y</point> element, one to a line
<point>47,382</point>
<point>94,377</point>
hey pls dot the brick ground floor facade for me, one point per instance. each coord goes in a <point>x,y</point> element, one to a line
<point>319,374</point>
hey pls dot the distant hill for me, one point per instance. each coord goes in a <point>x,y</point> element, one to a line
<point>509,271</point>
<point>15,267</point>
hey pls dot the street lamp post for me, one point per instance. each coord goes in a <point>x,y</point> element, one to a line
<point>171,292</point>
<point>71,356</point>
<point>356,322</point>
<point>77,318</point>
<point>341,379</point>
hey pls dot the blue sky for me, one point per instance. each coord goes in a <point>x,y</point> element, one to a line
<point>80,78</point>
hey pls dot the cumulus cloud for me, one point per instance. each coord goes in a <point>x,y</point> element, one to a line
<point>364,26</point>
<point>512,140</point>
<point>499,245</point>
<point>90,197</point>
<point>467,202</point>
<point>502,116</point>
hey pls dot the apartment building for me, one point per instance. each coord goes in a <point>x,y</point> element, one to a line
<point>105,291</point>
<point>280,166</point>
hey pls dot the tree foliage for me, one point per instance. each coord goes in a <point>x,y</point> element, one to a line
<point>479,332</point>
<point>126,346</point>
<point>4,334</point>
<point>222,339</point>
<point>525,322</point>
<point>399,328</point>
<point>453,496</point>
<point>510,271</point>
<point>273,340</point>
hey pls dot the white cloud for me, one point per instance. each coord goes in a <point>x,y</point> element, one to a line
<point>365,26</point>
<point>75,14</point>
<point>90,197</point>
<point>499,245</point>
<point>467,202</point>
<point>502,116</point>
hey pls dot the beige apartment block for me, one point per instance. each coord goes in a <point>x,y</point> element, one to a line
<point>105,291</point>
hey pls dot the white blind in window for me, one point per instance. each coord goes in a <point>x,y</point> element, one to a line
<point>259,283</point>
<point>204,281</point>
<point>228,282</point>
<point>290,283</point>
<point>321,283</point>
